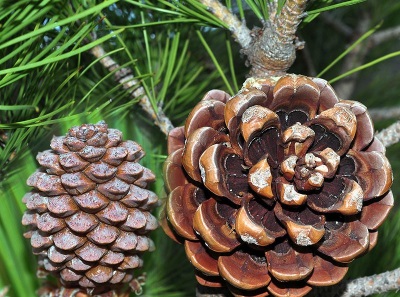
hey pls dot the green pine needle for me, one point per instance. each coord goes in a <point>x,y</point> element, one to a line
<point>215,61</point>
<point>312,14</point>
<point>349,49</point>
<point>18,107</point>
<point>60,57</point>
<point>366,65</point>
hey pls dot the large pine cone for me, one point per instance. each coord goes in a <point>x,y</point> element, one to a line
<point>276,189</point>
<point>89,210</point>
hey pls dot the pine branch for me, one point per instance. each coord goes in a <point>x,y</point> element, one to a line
<point>272,9</point>
<point>271,50</point>
<point>363,286</point>
<point>390,135</point>
<point>125,77</point>
<point>240,32</point>
<point>384,113</point>
<point>384,35</point>
<point>289,19</point>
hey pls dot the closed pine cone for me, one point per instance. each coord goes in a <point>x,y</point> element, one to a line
<point>276,189</point>
<point>89,209</point>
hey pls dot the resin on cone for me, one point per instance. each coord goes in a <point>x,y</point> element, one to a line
<point>276,189</point>
<point>89,212</point>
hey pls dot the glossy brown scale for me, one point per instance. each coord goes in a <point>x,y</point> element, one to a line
<point>289,119</point>
<point>264,214</point>
<point>346,167</point>
<point>266,143</point>
<point>324,139</point>
<point>236,176</point>
<point>328,194</point>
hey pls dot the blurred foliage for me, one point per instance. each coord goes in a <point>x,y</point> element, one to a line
<point>49,81</point>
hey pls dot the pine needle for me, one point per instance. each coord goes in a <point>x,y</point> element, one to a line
<point>366,65</point>
<point>215,61</point>
<point>349,49</point>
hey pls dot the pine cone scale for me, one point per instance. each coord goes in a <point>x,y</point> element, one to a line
<point>231,268</point>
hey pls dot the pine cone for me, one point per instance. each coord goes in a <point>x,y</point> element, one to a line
<point>89,209</point>
<point>276,189</point>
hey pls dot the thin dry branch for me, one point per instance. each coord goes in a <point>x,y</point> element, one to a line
<point>309,61</point>
<point>390,135</point>
<point>240,32</point>
<point>384,35</point>
<point>337,24</point>
<point>384,113</point>
<point>363,286</point>
<point>125,77</point>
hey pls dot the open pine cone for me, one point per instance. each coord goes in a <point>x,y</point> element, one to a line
<point>89,209</point>
<point>276,189</point>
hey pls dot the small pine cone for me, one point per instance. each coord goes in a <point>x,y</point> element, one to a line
<point>276,189</point>
<point>89,209</point>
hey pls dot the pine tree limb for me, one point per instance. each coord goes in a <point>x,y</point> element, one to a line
<point>240,32</point>
<point>289,19</point>
<point>125,77</point>
<point>390,135</point>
